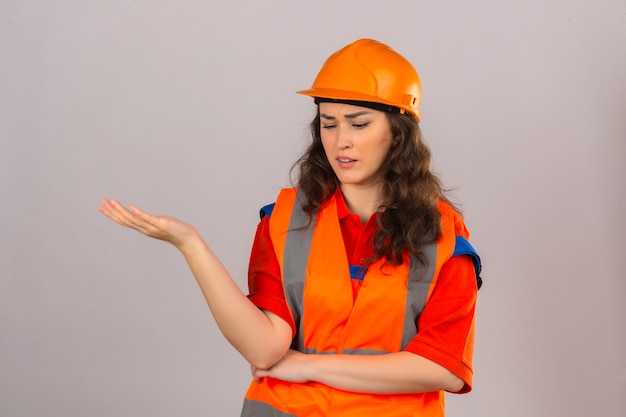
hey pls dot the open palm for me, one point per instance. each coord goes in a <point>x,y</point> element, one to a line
<point>165,228</point>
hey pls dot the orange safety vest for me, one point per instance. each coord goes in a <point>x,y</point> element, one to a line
<point>318,291</point>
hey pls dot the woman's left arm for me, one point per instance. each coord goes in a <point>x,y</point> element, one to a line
<point>393,373</point>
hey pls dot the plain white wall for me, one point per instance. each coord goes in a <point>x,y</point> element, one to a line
<point>188,108</point>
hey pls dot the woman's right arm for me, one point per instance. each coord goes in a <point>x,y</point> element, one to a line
<point>262,337</point>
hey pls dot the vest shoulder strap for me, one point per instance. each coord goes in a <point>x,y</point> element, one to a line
<point>266,210</point>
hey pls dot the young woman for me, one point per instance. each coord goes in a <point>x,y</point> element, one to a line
<point>362,280</point>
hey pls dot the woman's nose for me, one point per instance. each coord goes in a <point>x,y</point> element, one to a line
<point>344,141</point>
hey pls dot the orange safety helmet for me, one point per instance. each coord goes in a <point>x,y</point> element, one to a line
<point>371,72</point>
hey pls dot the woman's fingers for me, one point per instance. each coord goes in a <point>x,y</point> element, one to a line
<point>253,372</point>
<point>130,218</point>
<point>141,217</point>
<point>114,210</point>
<point>109,210</point>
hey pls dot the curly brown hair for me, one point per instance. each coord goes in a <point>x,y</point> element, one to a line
<point>408,218</point>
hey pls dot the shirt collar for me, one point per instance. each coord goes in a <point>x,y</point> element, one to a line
<point>343,211</point>
<point>342,208</point>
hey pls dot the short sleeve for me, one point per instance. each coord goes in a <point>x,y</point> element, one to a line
<point>446,325</point>
<point>264,280</point>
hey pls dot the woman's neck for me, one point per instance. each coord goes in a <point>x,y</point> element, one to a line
<point>362,201</point>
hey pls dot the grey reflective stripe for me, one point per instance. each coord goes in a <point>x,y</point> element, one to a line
<point>364,352</point>
<point>347,351</point>
<point>295,259</point>
<point>420,279</point>
<point>252,408</point>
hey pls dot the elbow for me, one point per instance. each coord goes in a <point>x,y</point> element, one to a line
<point>443,379</point>
<point>435,377</point>
<point>453,384</point>
<point>264,352</point>
<point>269,346</point>
<point>265,359</point>
<point>262,362</point>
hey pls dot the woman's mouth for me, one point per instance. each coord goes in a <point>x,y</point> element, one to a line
<point>345,162</point>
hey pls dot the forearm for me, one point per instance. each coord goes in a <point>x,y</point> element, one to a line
<point>260,340</point>
<point>401,372</point>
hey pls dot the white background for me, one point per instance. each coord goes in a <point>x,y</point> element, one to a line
<point>188,108</point>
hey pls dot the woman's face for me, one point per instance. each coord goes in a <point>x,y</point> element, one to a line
<point>356,141</point>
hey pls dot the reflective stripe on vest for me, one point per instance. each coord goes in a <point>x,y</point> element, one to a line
<point>252,408</point>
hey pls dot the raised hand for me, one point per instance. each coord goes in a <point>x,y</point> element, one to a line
<point>165,228</point>
<point>262,337</point>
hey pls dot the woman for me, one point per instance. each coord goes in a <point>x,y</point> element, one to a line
<point>362,282</point>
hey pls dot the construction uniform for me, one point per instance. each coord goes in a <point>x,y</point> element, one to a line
<point>312,278</point>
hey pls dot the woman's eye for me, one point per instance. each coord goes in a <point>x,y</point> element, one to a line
<point>328,126</point>
<point>360,125</point>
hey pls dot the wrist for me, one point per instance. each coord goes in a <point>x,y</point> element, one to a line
<point>189,243</point>
<point>314,366</point>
